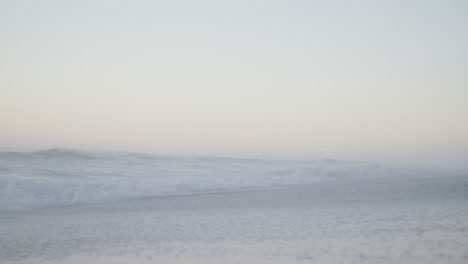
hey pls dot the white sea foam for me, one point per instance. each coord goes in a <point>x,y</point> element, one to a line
<point>61,177</point>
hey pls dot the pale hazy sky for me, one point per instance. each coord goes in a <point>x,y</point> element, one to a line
<point>278,79</point>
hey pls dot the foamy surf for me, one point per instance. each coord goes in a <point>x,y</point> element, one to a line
<point>63,177</point>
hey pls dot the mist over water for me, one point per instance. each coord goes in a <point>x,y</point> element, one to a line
<point>260,79</point>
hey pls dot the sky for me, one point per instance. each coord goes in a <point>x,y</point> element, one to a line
<point>266,79</point>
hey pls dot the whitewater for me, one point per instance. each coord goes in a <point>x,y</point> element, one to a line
<point>72,206</point>
<point>64,177</point>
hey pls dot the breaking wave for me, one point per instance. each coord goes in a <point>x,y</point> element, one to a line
<point>63,177</point>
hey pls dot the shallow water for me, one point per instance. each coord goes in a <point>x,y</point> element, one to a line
<point>397,220</point>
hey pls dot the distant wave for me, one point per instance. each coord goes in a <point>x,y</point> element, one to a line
<point>62,177</point>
